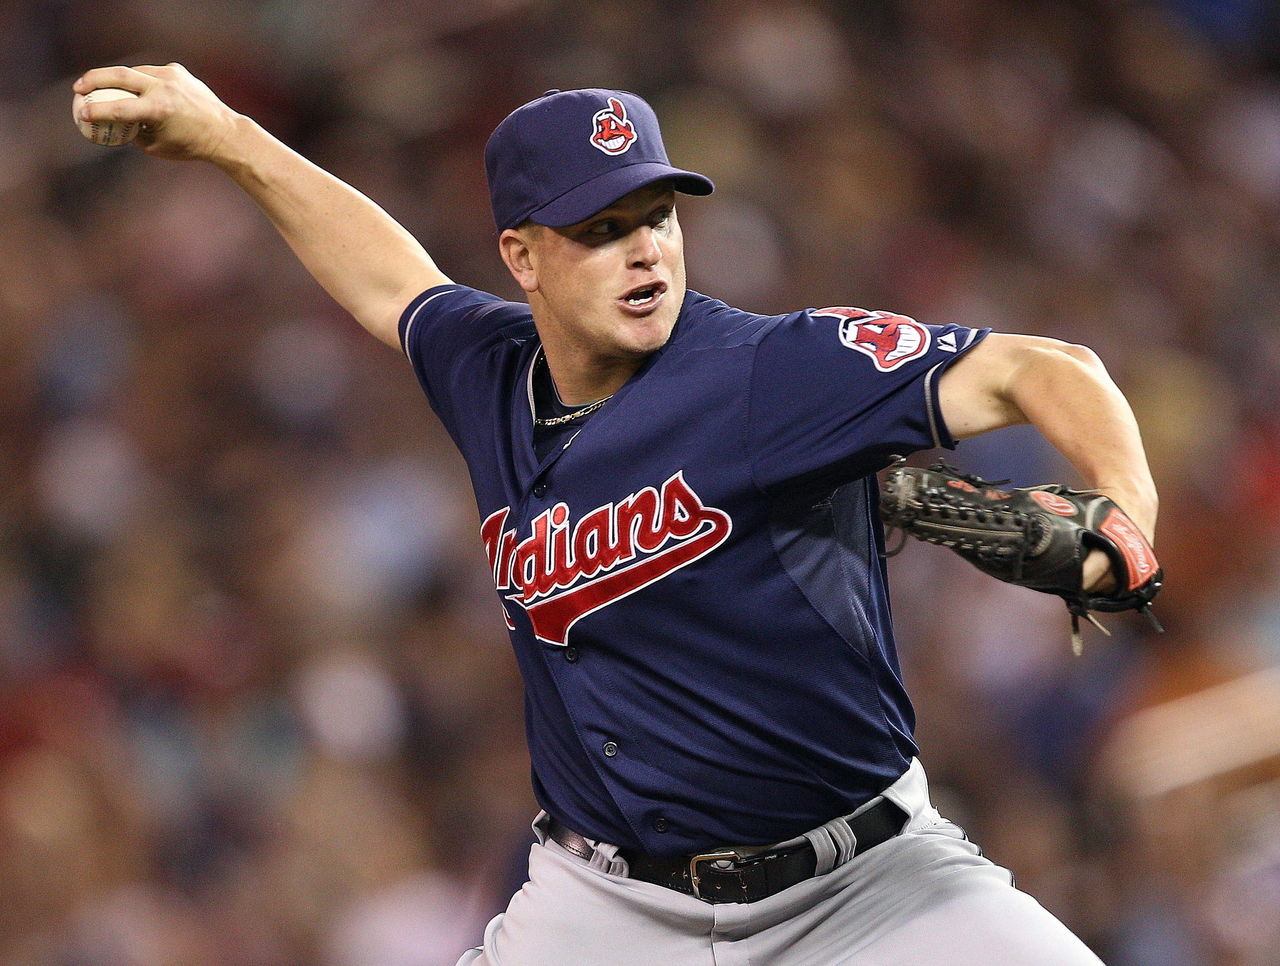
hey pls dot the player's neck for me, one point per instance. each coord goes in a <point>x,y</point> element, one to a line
<point>580,379</point>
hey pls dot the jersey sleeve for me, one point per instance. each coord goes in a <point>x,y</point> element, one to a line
<point>838,391</point>
<point>450,330</point>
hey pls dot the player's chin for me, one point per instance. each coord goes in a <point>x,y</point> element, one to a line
<point>644,332</point>
<point>642,336</point>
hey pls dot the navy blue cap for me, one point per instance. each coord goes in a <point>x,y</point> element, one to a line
<point>563,157</point>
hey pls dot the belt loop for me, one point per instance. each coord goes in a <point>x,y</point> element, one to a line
<point>834,843</point>
<point>601,856</point>
<point>542,826</point>
<point>825,848</point>
<point>606,859</point>
<point>846,841</point>
<point>911,793</point>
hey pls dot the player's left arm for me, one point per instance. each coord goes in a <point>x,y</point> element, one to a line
<point>1063,390</point>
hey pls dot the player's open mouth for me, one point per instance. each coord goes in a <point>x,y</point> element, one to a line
<point>645,297</point>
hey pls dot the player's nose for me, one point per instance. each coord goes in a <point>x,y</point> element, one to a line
<point>645,251</point>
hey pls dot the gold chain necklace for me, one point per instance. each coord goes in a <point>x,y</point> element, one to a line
<point>569,417</point>
<point>586,410</point>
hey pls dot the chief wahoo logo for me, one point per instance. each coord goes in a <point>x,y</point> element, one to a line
<point>612,132</point>
<point>889,339</point>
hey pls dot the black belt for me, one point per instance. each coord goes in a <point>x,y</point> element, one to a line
<point>726,875</point>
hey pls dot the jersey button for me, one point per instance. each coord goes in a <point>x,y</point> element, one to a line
<point>610,749</point>
<point>540,490</point>
<point>660,824</point>
<point>571,654</point>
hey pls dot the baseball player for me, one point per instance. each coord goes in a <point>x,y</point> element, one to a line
<point>679,512</point>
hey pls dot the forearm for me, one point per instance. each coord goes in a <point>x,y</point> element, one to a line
<point>367,261</point>
<point>1067,394</point>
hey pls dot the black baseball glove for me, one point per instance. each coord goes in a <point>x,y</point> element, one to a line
<point>1036,537</point>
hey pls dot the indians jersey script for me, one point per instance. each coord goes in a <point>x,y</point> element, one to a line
<point>693,582</point>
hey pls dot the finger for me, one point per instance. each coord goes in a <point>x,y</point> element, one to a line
<point>126,110</point>
<point>155,70</point>
<point>124,78</point>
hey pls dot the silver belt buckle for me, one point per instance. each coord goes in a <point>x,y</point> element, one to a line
<point>721,856</point>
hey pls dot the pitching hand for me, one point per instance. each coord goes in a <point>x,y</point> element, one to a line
<point>181,118</point>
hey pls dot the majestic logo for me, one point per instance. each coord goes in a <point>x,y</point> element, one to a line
<point>562,572</point>
<point>612,133</point>
<point>890,340</point>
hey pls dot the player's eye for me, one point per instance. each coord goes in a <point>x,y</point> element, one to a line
<point>602,228</point>
<point>661,218</point>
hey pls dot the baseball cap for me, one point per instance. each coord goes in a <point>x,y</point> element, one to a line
<point>568,154</point>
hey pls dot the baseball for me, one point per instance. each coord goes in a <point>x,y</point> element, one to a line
<point>104,132</point>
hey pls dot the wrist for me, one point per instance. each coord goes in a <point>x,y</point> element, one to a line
<point>1139,502</point>
<point>239,141</point>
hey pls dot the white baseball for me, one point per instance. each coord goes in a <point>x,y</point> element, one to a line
<point>104,132</point>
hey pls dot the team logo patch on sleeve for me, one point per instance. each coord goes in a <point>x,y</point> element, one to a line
<point>612,132</point>
<point>888,339</point>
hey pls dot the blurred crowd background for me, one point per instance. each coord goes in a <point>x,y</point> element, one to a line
<point>256,703</point>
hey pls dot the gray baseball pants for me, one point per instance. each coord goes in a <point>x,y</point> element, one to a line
<point>924,898</point>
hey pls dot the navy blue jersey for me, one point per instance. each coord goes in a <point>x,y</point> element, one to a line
<point>692,582</point>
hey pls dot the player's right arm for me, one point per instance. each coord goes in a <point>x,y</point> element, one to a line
<point>366,260</point>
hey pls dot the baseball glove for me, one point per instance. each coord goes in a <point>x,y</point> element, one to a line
<point>1036,537</point>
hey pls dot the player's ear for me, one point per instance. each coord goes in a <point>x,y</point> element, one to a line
<point>517,248</point>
